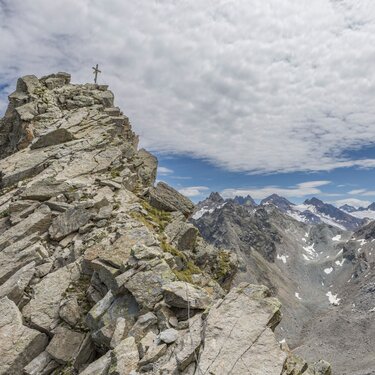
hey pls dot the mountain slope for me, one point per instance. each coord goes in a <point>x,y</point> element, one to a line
<point>313,268</point>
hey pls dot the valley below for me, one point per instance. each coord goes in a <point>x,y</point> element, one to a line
<point>318,261</point>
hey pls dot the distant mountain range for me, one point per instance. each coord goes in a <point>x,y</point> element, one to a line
<point>311,211</point>
<point>318,259</point>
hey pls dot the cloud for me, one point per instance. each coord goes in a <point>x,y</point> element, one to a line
<point>362,192</point>
<point>261,87</point>
<point>193,191</point>
<point>298,191</point>
<point>352,202</point>
<point>164,171</point>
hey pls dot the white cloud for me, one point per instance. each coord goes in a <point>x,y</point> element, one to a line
<point>298,191</point>
<point>260,86</point>
<point>363,192</point>
<point>193,191</point>
<point>356,191</point>
<point>352,202</point>
<point>164,171</point>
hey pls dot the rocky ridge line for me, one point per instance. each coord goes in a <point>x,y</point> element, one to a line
<point>100,271</point>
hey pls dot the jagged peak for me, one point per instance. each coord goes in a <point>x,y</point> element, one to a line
<point>215,197</point>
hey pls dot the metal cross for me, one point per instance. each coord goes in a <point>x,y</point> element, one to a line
<point>96,71</point>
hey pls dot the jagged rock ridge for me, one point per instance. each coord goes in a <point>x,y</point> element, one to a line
<point>101,273</point>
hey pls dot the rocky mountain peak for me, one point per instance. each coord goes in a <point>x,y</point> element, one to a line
<point>100,271</point>
<point>314,202</point>
<point>216,197</point>
<point>244,201</point>
<point>278,201</point>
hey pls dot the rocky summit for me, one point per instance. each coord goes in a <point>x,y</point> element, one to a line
<point>101,271</point>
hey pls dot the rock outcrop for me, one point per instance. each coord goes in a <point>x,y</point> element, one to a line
<point>100,272</point>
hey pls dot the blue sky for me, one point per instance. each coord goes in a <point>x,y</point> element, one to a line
<point>233,96</point>
<point>197,178</point>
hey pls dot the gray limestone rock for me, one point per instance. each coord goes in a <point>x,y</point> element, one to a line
<point>65,345</point>
<point>43,364</point>
<point>124,358</point>
<point>233,343</point>
<point>43,309</point>
<point>68,222</point>
<point>169,335</point>
<point>55,137</point>
<point>19,344</point>
<point>45,189</point>
<point>70,311</point>
<point>183,295</point>
<point>13,288</point>
<point>164,197</point>
<point>148,167</point>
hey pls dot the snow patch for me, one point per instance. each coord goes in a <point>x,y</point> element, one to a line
<point>362,242</point>
<point>336,238</point>
<point>310,251</point>
<point>297,295</point>
<point>205,210</point>
<point>333,300</point>
<point>340,264</point>
<point>328,270</point>
<point>282,257</point>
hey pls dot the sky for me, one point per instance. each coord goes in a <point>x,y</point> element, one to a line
<point>260,97</point>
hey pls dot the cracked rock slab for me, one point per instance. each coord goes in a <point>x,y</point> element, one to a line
<point>43,309</point>
<point>19,344</point>
<point>237,344</point>
<point>68,222</point>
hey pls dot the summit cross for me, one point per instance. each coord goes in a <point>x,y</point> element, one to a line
<point>96,71</point>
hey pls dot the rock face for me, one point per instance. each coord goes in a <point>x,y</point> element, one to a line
<point>19,344</point>
<point>100,271</point>
<point>165,198</point>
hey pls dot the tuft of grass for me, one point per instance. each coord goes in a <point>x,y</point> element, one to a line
<point>188,268</point>
<point>159,217</point>
<point>114,173</point>
<point>4,214</point>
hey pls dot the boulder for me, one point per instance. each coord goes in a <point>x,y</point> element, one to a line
<point>99,367</point>
<point>183,235</point>
<point>169,335</point>
<point>124,358</point>
<point>143,325</point>
<point>185,349</point>
<point>13,288</point>
<point>322,368</point>
<point>45,189</point>
<point>65,345</point>
<point>19,344</point>
<point>163,197</point>
<point>148,167</point>
<point>37,223</point>
<point>153,353</point>
<point>233,343</point>
<point>147,286</point>
<point>68,222</point>
<point>43,309</point>
<point>54,137</point>
<point>70,311</point>
<point>19,254</point>
<point>183,295</point>
<point>27,84</point>
<point>43,364</point>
